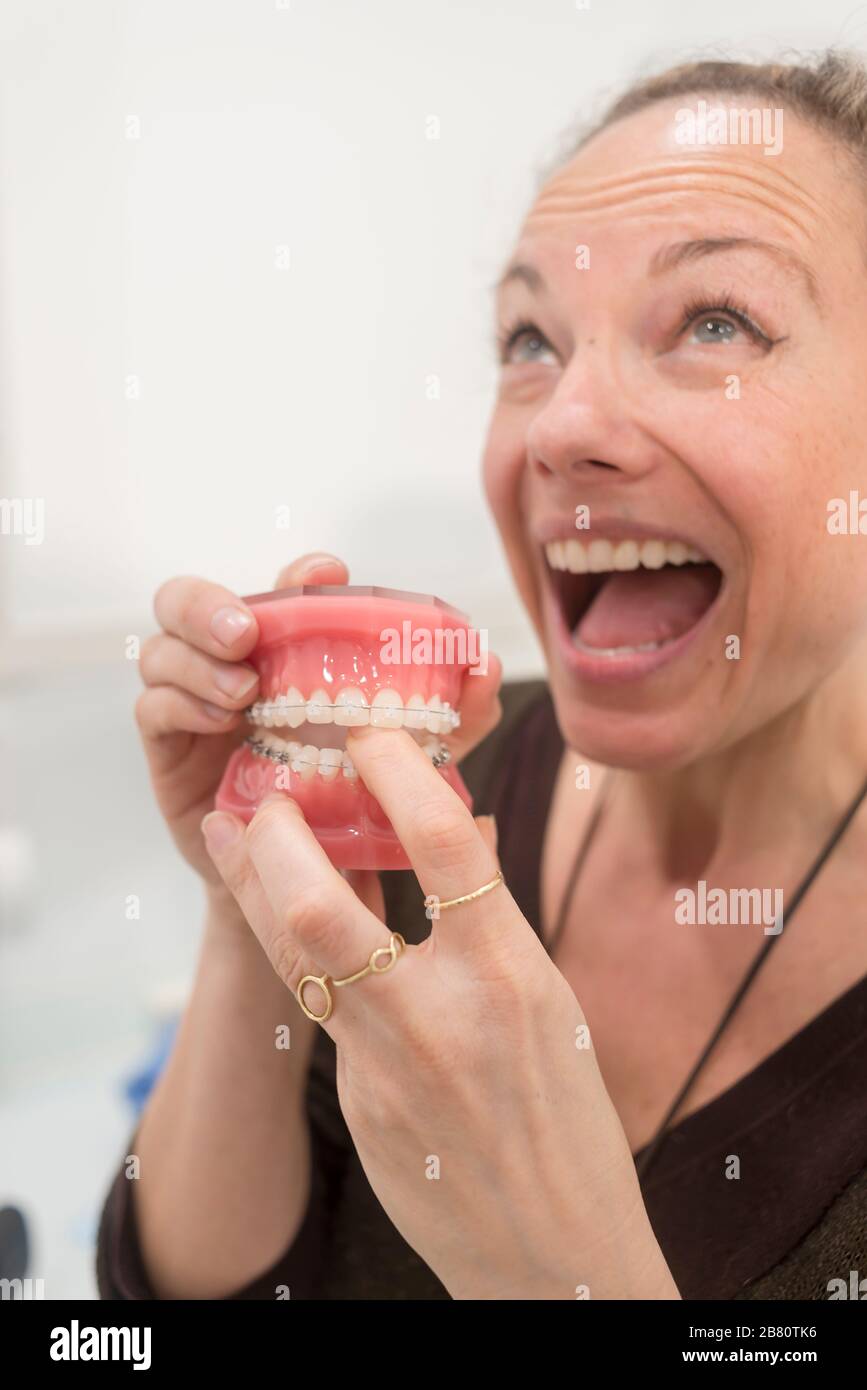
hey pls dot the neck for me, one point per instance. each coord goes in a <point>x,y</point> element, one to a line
<point>790,779</point>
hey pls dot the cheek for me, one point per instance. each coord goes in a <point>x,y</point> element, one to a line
<point>757,462</point>
<point>772,465</point>
<point>503,471</point>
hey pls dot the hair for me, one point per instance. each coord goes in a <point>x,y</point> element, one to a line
<point>827,89</point>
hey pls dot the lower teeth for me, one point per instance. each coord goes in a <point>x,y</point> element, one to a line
<point>616,651</point>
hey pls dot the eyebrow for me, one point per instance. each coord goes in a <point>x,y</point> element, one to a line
<point>680,251</point>
<point>530,276</point>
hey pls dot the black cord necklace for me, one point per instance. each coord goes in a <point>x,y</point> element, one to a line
<point>652,1149</point>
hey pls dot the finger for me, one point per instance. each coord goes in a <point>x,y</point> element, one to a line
<point>367,887</point>
<point>169,661</point>
<point>308,896</point>
<point>227,845</point>
<point>316,568</point>
<point>224,840</point>
<point>446,850</point>
<point>162,709</point>
<point>480,708</point>
<point>487,827</point>
<point>206,615</point>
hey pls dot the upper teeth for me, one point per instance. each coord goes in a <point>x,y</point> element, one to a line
<point>599,557</point>
<point>350,708</point>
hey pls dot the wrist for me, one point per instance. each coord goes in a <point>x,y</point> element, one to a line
<point>627,1265</point>
<point>575,1258</point>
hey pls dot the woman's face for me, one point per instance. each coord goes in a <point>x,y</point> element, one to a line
<point>698,374</point>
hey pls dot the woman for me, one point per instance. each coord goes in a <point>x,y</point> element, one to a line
<point>681,402</point>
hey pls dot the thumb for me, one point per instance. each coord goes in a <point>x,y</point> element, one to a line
<point>317,567</point>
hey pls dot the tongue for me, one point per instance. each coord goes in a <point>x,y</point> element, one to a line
<point>642,605</point>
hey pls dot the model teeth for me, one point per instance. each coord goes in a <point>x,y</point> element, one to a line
<point>319,708</point>
<point>606,557</point>
<point>308,761</point>
<point>386,710</point>
<point>349,709</point>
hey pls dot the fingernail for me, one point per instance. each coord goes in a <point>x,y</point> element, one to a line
<point>214,712</point>
<point>228,624</point>
<point>492,824</point>
<point>236,681</point>
<point>220,830</point>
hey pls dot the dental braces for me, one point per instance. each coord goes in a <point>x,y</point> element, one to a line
<point>279,755</point>
<point>262,709</point>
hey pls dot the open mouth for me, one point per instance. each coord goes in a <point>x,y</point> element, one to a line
<point>619,598</point>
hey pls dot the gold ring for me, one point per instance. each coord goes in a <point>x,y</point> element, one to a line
<point>479,893</point>
<point>390,952</point>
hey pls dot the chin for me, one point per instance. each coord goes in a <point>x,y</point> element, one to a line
<point>641,742</point>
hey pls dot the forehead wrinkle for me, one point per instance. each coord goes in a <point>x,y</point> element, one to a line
<point>705,164</point>
<point>641,203</point>
<point>567,196</point>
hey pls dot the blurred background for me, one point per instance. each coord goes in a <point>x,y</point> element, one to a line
<point>246,257</point>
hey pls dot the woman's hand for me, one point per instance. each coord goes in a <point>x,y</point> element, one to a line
<point>484,1129</point>
<point>190,715</point>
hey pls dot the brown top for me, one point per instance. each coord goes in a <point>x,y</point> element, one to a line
<point>796,1217</point>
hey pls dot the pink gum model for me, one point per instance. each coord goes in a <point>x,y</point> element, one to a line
<point>331,657</point>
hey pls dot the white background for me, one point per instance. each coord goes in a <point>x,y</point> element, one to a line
<point>261,126</point>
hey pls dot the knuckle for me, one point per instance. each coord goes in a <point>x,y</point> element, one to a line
<point>143,710</point>
<point>162,592</point>
<point>447,833</point>
<point>149,655</point>
<point>287,961</point>
<point>315,918</point>
<point>189,603</point>
<point>167,594</point>
<point>431,1044</point>
<point>262,826</point>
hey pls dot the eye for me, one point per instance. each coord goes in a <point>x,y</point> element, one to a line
<point>721,323</point>
<point>713,329</point>
<point>523,342</point>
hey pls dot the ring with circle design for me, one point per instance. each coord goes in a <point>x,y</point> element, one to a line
<point>390,953</point>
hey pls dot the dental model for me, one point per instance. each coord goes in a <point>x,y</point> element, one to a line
<point>331,658</point>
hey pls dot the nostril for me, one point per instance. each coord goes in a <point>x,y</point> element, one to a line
<point>543,468</point>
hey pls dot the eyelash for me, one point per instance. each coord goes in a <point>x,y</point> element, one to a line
<point>698,308</point>
<point>510,333</point>
<point>694,309</point>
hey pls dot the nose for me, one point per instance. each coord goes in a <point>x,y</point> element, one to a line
<point>588,426</point>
